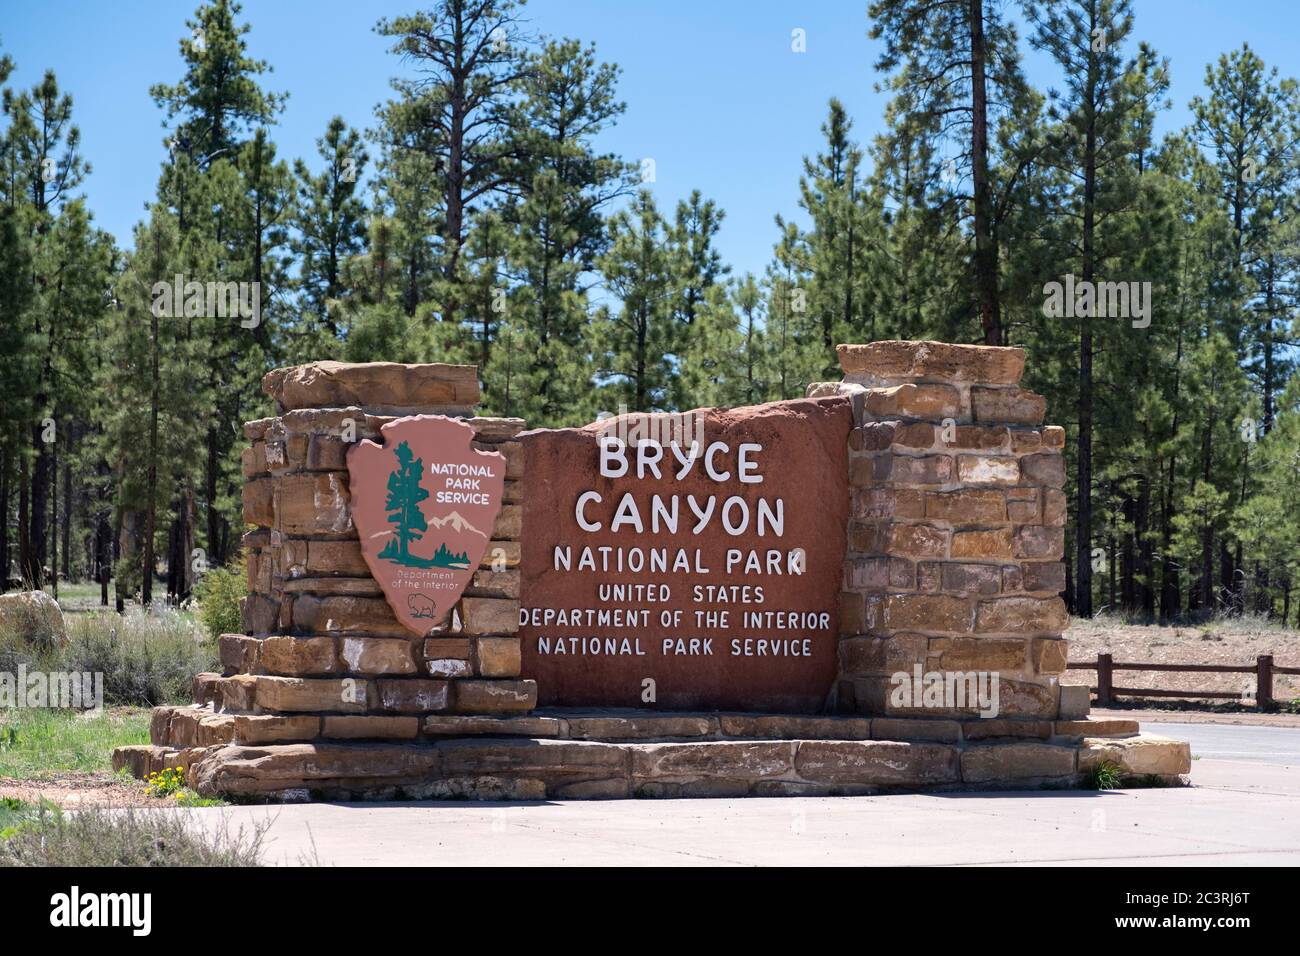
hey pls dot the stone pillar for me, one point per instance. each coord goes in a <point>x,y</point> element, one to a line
<point>323,655</point>
<point>956,530</point>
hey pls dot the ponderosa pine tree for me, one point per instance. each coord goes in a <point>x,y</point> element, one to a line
<point>330,227</point>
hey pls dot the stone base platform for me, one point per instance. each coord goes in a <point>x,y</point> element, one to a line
<point>614,754</point>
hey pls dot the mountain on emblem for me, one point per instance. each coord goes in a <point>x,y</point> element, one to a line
<point>420,501</point>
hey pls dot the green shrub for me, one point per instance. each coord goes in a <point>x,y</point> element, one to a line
<point>219,592</point>
<point>45,836</point>
<point>147,658</point>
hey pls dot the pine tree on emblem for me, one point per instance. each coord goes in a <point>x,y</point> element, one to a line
<point>403,503</point>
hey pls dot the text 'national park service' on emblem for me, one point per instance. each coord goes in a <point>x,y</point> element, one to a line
<point>424,503</point>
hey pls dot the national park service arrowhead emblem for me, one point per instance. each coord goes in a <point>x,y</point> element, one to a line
<point>424,503</point>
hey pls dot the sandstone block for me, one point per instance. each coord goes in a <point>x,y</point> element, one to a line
<point>984,579</point>
<point>372,727</point>
<point>327,453</point>
<point>341,558</point>
<point>1076,701</point>
<point>371,384</point>
<point>500,554</point>
<point>994,544</point>
<point>922,470</point>
<point>1049,655</point>
<point>882,655</point>
<point>967,506</point>
<point>490,615</point>
<point>639,728</point>
<point>298,656</point>
<point>495,696</point>
<point>1043,576</point>
<point>1015,761</point>
<point>1022,615</point>
<point>910,728</point>
<point>346,615</point>
<point>978,653</point>
<point>498,656</point>
<point>882,763</point>
<point>312,504</point>
<point>794,727</point>
<point>1025,440</point>
<point>238,652</point>
<point>1137,756</point>
<point>987,470</point>
<point>1009,406</point>
<point>917,540</point>
<point>306,694</point>
<point>941,360</point>
<point>304,766</point>
<point>467,725</point>
<point>259,614</point>
<point>498,584</point>
<point>1054,507</point>
<point>714,759</point>
<point>377,655</point>
<point>929,401</point>
<point>991,728</point>
<point>1096,728</point>
<point>259,498</point>
<point>977,437</point>
<point>412,695</point>
<point>1047,469</point>
<point>878,502</point>
<point>933,613</point>
<point>1039,541</point>
<point>866,573</point>
<point>509,524</point>
<point>274,728</point>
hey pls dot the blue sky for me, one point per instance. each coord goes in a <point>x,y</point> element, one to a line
<point>714,93</point>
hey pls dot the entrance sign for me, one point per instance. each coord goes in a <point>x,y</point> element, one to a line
<point>697,570</point>
<point>424,504</point>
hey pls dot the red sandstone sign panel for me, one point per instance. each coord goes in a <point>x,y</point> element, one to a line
<point>424,503</point>
<point>687,562</point>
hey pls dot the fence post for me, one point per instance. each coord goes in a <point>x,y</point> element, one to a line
<point>1264,682</point>
<point>1104,679</point>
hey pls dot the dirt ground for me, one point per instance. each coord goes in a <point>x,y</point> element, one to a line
<point>1237,644</point>
<point>78,789</point>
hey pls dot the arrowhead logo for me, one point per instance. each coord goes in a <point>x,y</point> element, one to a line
<point>424,503</point>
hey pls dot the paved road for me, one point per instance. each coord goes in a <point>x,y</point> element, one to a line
<point>1277,745</point>
<point>1242,809</point>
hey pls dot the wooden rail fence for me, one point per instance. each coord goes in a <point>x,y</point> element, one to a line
<point>1106,691</point>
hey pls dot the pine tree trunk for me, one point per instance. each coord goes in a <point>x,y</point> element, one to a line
<point>54,519</point>
<point>986,255</point>
<point>5,457</point>
<point>24,531</point>
<point>67,516</point>
<point>151,484</point>
<point>34,566</point>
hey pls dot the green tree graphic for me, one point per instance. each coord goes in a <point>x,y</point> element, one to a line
<point>403,505</point>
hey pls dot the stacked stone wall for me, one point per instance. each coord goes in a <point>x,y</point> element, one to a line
<point>956,532</point>
<point>323,655</point>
